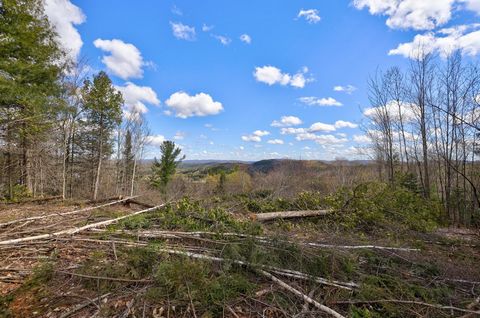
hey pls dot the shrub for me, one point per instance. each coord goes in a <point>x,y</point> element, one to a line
<point>378,205</point>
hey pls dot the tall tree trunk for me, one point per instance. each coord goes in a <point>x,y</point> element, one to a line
<point>99,168</point>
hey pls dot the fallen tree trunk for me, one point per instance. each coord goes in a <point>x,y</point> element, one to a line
<point>264,217</point>
<point>65,213</point>
<point>180,234</point>
<point>75,230</point>
<point>83,305</point>
<point>309,300</point>
<point>408,302</point>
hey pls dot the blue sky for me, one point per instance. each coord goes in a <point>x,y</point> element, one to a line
<point>185,66</point>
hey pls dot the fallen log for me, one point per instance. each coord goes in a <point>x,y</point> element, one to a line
<point>279,271</point>
<point>265,239</point>
<point>410,302</point>
<point>75,230</point>
<point>270,216</point>
<point>309,300</point>
<point>84,305</point>
<point>147,205</point>
<point>63,214</point>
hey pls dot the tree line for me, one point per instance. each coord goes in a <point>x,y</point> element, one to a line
<point>425,130</point>
<point>59,129</point>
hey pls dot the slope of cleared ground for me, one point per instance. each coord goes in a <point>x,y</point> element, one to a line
<point>187,260</point>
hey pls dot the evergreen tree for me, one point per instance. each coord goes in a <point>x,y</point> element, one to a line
<point>163,170</point>
<point>29,72</point>
<point>102,108</point>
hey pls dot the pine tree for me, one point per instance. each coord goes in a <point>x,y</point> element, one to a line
<point>102,107</point>
<point>163,170</point>
<point>29,71</point>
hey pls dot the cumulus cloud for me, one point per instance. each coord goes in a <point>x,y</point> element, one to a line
<point>407,111</point>
<point>311,15</point>
<point>124,61</point>
<point>271,75</point>
<point>310,133</point>
<point>410,14</point>
<point>316,101</point>
<point>182,31</point>
<point>186,105</point>
<point>256,136</point>
<point>222,39</point>
<point>155,140</point>
<point>293,131</point>
<point>322,127</point>
<point>246,38</point>
<point>321,139</point>
<point>251,138</point>
<point>344,124</point>
<point>135,97</point>
<point>275,141</point>
<point>349,89</point>
<point>261,133</point>
<point>465,38</point>
<point>287,121</point>
<point>362,139</point>
<point>63,15</point>
<point>207,28</point>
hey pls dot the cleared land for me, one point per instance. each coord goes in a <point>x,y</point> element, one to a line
<point>185,260</point>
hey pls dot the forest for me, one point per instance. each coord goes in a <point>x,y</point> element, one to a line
<point>90,226</point>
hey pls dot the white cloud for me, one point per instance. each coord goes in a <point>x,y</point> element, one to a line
<point>256,136</point>
<point>292,131</point>
<point>246,38</point>
<point>363,139</point>
<point>473,5</point>
<point>182,31</point>
<point>322,127</point>
<point>197,105</point>
<point>444,42</point>
<point>321,139</point>
<point>179,135</point>
<point>251,138</point>
<point>344,124</point>
<point>64,15</point>
<point>135,97</point>
<point>261,133</point>
<point>223,39</point>
<point>349,89</point>
<point>272,75</point>
<point>275,141</point>
<point>410,14</point>
<point>287,121</point>
<point>408,111</point>
<point>311,15</point>
<point>125,60</point>
<point>207,28</point>
<point>310,133</point>
<point>155,140</point>
<point>316,101</point>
